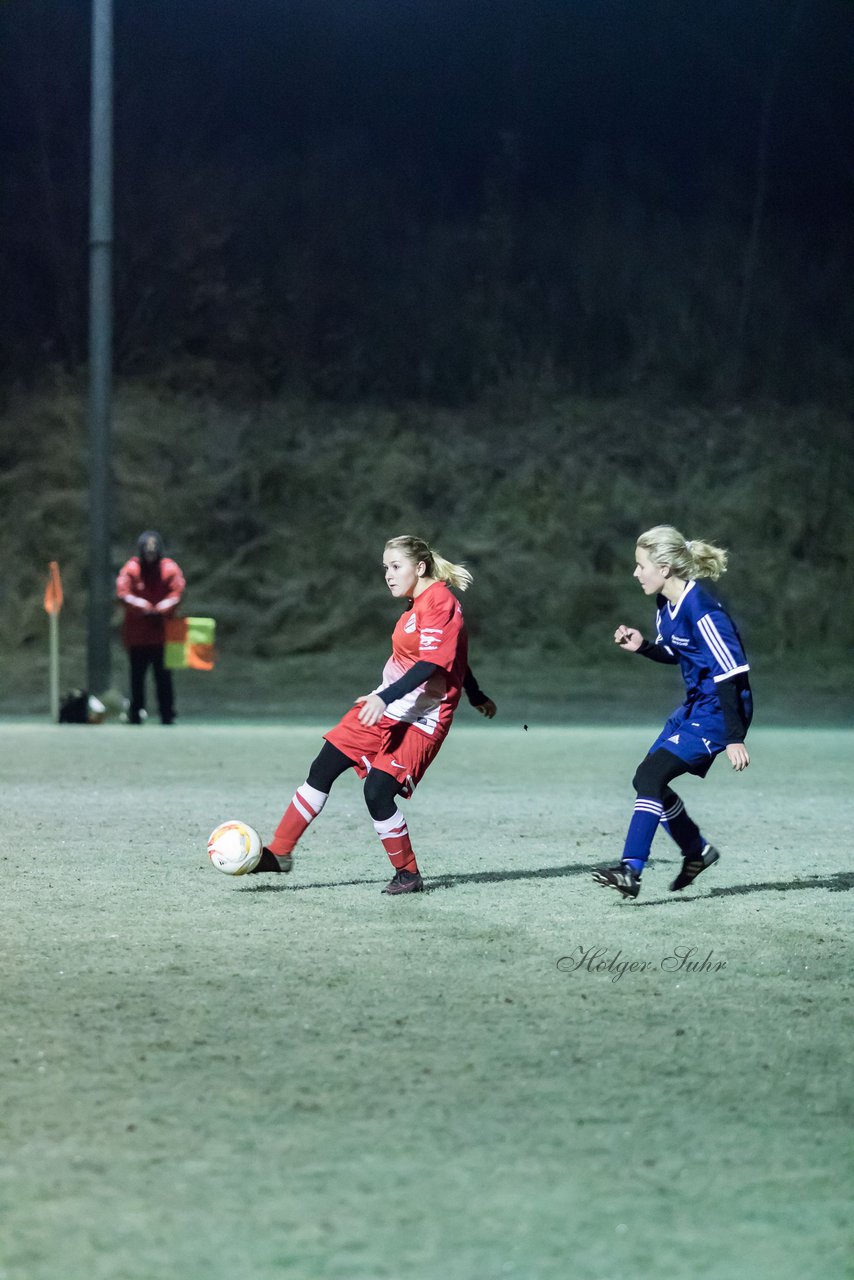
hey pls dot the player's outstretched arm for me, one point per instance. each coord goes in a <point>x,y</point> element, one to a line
<point>628,638</point>
<point>631,639</point>
<point>481,702</point>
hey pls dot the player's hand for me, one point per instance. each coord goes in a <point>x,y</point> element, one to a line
<point>371,710</point>
<point>628,638</point>
<point>487,708</point>
<point>163,606</point>
<point>737,756</point>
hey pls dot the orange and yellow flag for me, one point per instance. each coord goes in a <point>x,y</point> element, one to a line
<point>53,590</point>
<point>190,643</point>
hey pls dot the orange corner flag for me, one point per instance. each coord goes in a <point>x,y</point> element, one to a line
<point>53,590</point>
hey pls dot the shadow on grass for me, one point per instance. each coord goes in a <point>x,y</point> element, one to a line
<point>441,882</point>
<point>839,882</point>
<point>496,877</point>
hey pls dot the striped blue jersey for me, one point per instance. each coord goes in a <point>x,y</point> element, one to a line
<point>700,634</point>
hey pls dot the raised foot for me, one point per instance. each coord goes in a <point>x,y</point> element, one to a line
<point>693,867</point>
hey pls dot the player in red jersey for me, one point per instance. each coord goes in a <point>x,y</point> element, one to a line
<point>391,735</point>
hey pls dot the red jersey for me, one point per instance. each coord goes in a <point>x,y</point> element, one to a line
<point>141,584</point>
<point>430,630</point>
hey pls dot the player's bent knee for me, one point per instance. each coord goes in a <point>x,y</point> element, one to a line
<point>642,780</point>
<point>655,772</point>
<point>328,765</point>
<point>381,794</point>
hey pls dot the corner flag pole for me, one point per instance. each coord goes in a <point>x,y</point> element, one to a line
<point>53,605</point>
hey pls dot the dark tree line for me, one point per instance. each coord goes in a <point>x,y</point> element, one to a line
<point>312,203</point>
<point>277,513</point>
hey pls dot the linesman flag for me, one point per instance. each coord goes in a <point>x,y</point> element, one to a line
<point>53,590</point>
<point>190,643</point>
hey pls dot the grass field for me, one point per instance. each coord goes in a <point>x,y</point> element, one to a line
<point>299,1078</point>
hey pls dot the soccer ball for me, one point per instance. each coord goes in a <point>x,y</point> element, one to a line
<point>234,848</point>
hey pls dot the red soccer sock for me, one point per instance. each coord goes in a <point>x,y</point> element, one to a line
<point>300,813</point>
<point>394,835</point>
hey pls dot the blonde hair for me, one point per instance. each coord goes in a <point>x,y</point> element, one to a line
<point>686,559</point>
<point>416,550</point>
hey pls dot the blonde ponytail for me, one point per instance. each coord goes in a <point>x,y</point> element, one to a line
<point>456,575</point>
<point>708,560</point>
<point>695,559</point>
<point>417,550</point>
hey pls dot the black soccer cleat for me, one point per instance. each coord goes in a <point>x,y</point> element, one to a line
<point>405,882</point>
<point>694,866</point>
<point>622,878</point>
<point>270,861</point>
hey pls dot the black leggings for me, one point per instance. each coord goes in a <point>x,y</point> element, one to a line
<point>381,789</point>
<point>655,772</point>
<point>143,656</point>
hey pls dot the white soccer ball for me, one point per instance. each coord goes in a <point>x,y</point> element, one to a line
<point>234,848</point>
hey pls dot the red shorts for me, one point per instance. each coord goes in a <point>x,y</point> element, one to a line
<point>393,746</point>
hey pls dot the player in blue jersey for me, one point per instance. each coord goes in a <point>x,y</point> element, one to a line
<point>695,632</point>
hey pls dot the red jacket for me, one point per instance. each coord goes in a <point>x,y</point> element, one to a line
<point>150,593</point>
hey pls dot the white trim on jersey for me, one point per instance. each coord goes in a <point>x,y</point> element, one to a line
<point>411,709</point>
<point>717,645</point>
<point>727,675</point>
<point>673,609</point>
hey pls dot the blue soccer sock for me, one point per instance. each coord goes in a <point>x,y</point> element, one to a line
<point>642,829</point>
<point>680,827</point>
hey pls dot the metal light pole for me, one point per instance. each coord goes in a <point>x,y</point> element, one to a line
<point>100,345</point>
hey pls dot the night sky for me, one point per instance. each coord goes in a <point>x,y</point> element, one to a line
<point>296,114</point>
<point>435,85</point>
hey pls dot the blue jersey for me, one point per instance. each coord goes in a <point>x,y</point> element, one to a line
<point>700,634</point>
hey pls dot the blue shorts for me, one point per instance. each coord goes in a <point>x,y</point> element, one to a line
<point>696,741</point>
